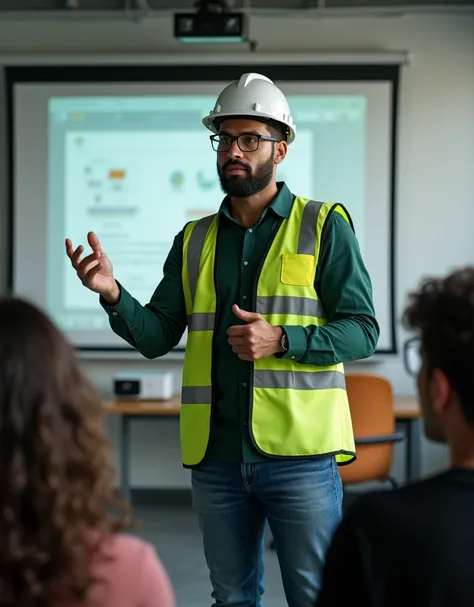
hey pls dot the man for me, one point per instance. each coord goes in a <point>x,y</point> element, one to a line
<point>415,546</point>
<point>276,297</point>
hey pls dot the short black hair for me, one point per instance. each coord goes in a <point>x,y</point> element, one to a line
<point>442,311</point>
<point>277,130</point>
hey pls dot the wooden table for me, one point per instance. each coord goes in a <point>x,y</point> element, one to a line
<point>408,418</point>
<point>407,414</point>
<point>407,406</point>
<point>161,408</point>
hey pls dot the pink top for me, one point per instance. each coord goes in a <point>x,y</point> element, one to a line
<point>134,578</point>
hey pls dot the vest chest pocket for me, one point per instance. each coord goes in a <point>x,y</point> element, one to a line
<point>297,269</point>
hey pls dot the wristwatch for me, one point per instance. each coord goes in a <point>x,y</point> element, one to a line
<point>284,340</point>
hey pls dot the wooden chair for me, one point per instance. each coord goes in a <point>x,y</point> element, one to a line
<point>373,421</point>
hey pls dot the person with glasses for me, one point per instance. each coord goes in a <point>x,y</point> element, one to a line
<point>415,546</point>
<point>276,297</point>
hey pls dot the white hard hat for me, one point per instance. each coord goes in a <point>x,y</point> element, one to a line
<point>252,96</point>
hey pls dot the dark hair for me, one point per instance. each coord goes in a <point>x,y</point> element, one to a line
<point>57,487</point>
<point>442,310</point>
<point>277,130</point>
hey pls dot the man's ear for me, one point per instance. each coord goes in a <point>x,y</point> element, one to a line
<point>440,391</point>
<point>280,152</point>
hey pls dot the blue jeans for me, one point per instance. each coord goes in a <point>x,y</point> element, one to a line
<point>302,502</point>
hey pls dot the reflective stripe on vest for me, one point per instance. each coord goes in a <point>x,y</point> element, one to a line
<point>307,237</point>
<point>296,410</point>
<point>194,252</point>
<point>301,306</point>
<point>201,321</point>
<point>272,379</point>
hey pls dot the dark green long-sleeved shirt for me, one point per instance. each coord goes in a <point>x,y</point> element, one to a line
<point>342,283</point>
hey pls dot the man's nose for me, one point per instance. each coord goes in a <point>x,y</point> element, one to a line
<point>235,151</point>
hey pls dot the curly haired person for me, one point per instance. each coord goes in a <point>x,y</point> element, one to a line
<point>59,544</point>
<point>414,547</point>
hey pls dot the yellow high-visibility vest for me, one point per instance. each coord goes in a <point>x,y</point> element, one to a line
<point>296,410</point>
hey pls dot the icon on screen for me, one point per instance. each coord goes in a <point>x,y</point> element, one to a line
<point>177,179</point>
<point>108,188</point>
<point>206,182</point>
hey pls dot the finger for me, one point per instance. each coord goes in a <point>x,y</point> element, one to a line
<point>76,257</point>
<point>69,247</point>
<point>94,242</point>
<point>244,315</point>
<point>246,357</point>
<point>238,341</point>
<point>87,263</point>
<point>91,273</point>
<point>238,330</point>
<point>241,350</point>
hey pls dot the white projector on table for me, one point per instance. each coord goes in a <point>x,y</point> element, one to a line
<point>144,385</point>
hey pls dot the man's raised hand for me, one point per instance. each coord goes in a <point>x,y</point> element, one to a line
<point>95,270</point>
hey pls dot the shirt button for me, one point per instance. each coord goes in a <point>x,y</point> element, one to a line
<point>246,423</point>
<point>246,263</point>
<point>114,313</point>
<point>244,296</point>
<point>244,385</point>
<point>292,357</point>
<point>250,230</point>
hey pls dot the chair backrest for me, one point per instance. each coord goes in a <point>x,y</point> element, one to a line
<point>371,404</point>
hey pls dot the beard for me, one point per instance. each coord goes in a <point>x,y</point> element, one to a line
<point>246,184</point>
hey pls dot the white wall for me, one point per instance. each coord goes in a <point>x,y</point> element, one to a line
<point>435,202</point>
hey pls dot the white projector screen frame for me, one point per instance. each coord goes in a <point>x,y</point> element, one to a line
<point>32,87</point>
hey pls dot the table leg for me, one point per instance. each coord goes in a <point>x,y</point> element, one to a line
<point>413,450</point>
<point>125,457</point>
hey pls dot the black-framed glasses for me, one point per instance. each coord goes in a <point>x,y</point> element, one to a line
<point>412,356</point>
<point>247,142</point>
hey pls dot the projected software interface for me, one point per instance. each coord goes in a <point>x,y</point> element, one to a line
<point>136,170</point>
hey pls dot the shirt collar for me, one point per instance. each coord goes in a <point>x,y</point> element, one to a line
<point>281,204</point>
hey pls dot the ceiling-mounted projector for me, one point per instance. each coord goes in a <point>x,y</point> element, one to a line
<point>212,22</point>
